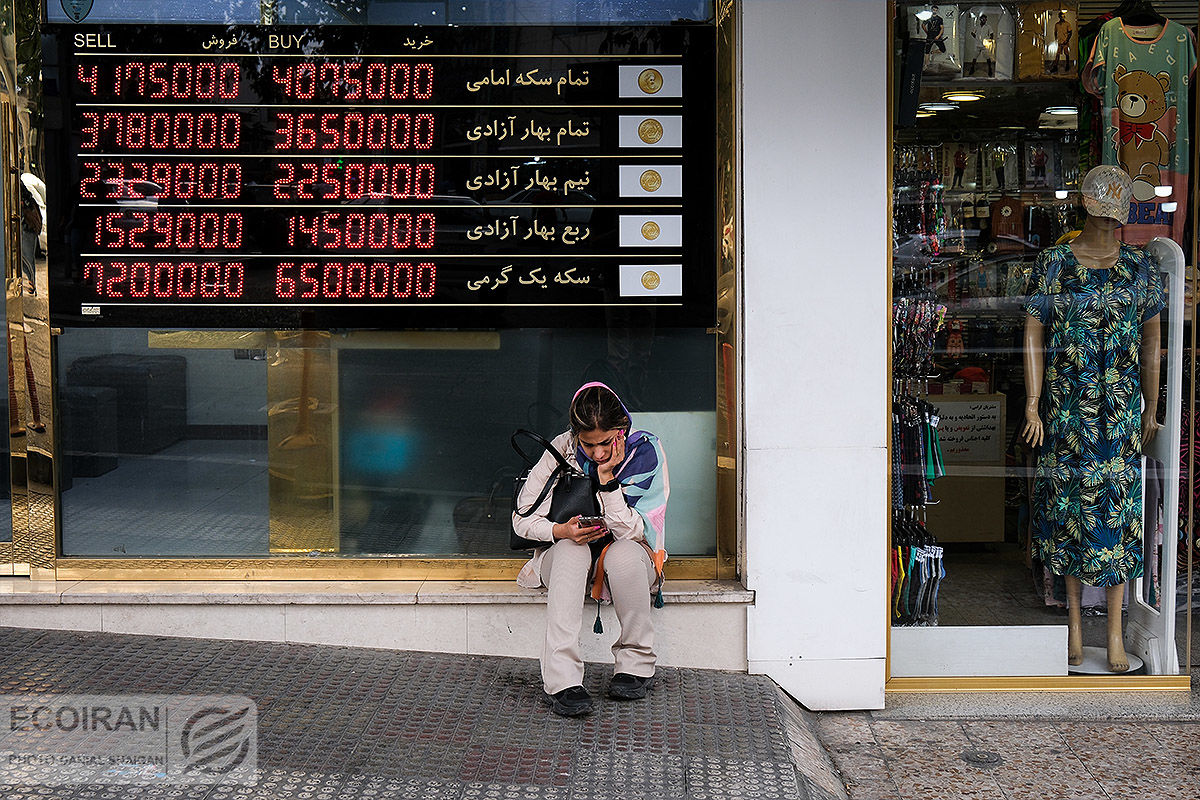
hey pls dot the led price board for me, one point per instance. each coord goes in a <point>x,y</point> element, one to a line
<point>380,177</point>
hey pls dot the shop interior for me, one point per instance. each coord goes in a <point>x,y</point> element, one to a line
<point>993,131</point>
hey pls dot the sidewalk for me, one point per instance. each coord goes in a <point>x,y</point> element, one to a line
<point>336,723</point>
<point>1021,746</point>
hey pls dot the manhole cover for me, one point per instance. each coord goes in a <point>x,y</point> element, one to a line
<point>981,758</point>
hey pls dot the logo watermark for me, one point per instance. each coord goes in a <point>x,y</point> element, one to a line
<point>54,740</point>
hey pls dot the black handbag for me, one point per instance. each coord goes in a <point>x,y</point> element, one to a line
<point>573,492</point>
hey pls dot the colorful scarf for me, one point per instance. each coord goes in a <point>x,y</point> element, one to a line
<point>643,478</point>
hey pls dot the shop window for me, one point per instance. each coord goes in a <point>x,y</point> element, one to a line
<point>352,445</point>
<point>1021,354</point>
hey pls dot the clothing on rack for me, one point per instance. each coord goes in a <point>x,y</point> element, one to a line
<point>917,572</point>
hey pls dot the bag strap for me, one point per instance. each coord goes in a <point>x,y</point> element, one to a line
<point>553,479</point>
<point>562,462</point>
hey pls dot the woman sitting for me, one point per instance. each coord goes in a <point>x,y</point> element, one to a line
<point>629,475</point>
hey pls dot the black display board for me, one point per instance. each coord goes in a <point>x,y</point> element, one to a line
<point>468,177</point>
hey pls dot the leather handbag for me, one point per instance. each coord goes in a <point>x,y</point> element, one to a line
<point>571,492</point>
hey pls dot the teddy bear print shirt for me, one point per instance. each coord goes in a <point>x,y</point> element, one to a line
<point>1141,76</point>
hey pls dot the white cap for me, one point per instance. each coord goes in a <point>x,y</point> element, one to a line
<point>1106,191</point>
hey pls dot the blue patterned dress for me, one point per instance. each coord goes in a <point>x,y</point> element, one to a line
<point>1087,496</point>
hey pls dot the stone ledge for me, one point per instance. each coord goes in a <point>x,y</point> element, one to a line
<point>22,591</point>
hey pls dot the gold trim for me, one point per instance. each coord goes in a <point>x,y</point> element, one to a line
<point>1069,683</point>
<point>331,568</point>
<point>729,258</point>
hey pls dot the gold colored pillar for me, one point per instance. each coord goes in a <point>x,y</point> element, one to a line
<point>301,437</point>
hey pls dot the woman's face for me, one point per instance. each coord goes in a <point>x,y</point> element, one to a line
<point>598,444</point>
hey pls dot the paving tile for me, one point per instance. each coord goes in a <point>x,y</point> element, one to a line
<point>627,775</point>
<point>712,778</point>
<point>1037,764</point>
<point>907,734</point>
<point>845,731</point>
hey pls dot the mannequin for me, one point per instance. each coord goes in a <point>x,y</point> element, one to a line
<point>1101,299</point>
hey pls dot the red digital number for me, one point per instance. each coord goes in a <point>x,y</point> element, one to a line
<point>334,280</point>
<point>356,231</point>
<point>354,131</point>
<point>181,80</point>
<point>168,230</point>
<point>185,130</point>
<point>374,80</point>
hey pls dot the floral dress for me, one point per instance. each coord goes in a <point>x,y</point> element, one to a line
<point>1087,497</point>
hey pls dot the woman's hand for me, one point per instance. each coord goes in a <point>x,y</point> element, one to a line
<point>606,470</point>
<point>580,534</point>
<point>1150,426</point>
<point>1032,433</point>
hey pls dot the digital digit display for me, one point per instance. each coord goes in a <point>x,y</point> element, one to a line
<point>381,177</point>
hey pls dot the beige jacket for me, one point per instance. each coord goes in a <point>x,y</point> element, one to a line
<point>623,521</point>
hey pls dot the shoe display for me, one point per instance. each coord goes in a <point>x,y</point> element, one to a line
<point>574,701</point>
<point>629,687</point>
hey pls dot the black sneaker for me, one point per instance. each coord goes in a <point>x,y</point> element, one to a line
<point>574,701</point>
<point>629,687</point>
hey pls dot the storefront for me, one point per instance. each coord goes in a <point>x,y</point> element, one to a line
<point>305,270</point>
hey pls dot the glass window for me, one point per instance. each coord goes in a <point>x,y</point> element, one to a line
<point>388,12</point>
<point>1038,339</point>
<point>366,443</point>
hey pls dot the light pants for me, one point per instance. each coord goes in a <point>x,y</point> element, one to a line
<point>564,570</point>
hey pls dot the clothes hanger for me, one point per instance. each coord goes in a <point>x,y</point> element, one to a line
<point>1139,12</point>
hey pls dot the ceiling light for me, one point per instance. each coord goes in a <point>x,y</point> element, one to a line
<point>923,114</point>
<point>1062,111</point>
<point>963,95</point>
<point>939,106</point>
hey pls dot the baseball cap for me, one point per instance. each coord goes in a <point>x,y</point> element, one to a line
<point>1106,191</point>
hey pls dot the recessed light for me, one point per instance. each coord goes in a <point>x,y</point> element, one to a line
<point>1062,111</point>
<point>963,95</point>
<point>939,106</point>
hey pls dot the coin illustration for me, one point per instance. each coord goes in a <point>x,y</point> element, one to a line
<point>651,180</point>
<point>650,81</point>
<point>651,280</point>
<point>650,231</point>
<point>650,131</point>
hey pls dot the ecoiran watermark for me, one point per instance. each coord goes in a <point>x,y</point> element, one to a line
<point>56,740</point>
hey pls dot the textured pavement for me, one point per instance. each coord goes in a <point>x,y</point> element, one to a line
<point>337,722</point>
<point>1021,746</point>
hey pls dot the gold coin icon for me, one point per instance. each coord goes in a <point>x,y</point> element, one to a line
<point>651,280</point>
<point>650,231</point>
<point>650,81</point>
<point>650,131</point>
<point>651,181</point>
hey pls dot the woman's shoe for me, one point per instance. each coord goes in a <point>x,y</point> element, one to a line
<point>574,701</point>
<point>629,687</point>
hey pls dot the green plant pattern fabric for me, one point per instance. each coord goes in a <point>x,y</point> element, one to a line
<point>1087,498</point>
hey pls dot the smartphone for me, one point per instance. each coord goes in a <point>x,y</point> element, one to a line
<point>592,522</point>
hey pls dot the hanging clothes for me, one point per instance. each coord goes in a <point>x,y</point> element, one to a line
<point>1141,76</point>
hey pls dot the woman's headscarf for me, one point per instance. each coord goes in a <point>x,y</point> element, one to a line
<point>642,475</point>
